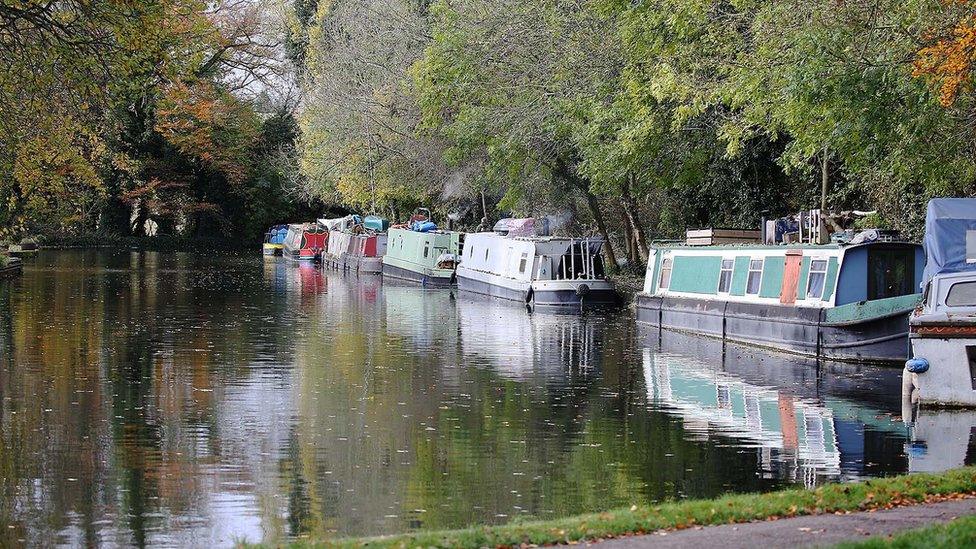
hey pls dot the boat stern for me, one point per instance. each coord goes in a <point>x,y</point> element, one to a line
<point>574,294</point>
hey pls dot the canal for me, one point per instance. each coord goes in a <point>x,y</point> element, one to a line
<point>190,400</point>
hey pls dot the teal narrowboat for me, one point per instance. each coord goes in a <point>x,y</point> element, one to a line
<point>422,254</point>
<point>846,302</point>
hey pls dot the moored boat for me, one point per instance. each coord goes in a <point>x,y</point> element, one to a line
<point>846,302</point>
<point>420,252</point>
<point>274,240</point>
<point>357,244</point>
<point>305,242</point>
<point>943,328</point>
<point>513,263</point>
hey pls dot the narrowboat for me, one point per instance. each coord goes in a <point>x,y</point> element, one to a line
<point>420,252</point>
<point>274,240</point>
<point>305,242</point>
<point>943,328</point>
<point>514,262</point>
<point>842,301</point>
<point>357,245</point>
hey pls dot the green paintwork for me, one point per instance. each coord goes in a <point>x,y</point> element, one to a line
<point>740,275</point>
<point>695,274</point>
<point>772,276</point>
<point>656,271</point>
<point>830,281</point>
<point>405,249</point>
<point>801,285</point>
<point>877,308</point>
<point>749,247</point>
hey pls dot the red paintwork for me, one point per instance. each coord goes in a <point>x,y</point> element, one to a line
<point>315,239</point>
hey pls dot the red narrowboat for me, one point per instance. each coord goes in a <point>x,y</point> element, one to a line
<point>305,242</point>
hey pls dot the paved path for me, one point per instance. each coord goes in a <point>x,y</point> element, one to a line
<point>802,531</point>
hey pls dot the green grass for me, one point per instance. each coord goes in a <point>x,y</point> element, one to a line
<point>873,494</point>
<point>958,533</point>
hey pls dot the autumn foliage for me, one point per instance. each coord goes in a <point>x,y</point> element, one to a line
<point>947,61</point>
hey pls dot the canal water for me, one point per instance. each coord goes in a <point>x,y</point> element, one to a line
<point>189,400</point>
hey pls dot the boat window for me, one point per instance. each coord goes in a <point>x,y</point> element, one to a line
<point>471,253</point>
<point>755,276</point>
<point>818,276</point>
<point>523,261</point>
<point>962,294</point>
<point>891,272</point>
<point>725,278</point>
<point>665,273</point>
<point>486,254</point>
<point>426,251</point>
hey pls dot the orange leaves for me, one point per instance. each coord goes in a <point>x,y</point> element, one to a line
<point>210,125</point>
<point>948,62</point>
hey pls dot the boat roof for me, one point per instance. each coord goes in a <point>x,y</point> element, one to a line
<point>747,246</point>
<point>950,236</point>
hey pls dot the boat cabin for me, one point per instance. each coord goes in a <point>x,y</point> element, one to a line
<point>817,276</point>
<point>534,258</point>
<point>305,241</point>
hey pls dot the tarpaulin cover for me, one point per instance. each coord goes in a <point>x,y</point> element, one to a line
<point>523,226</point>
<point>950,236</point>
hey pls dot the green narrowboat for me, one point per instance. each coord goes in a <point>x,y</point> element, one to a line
<point>422,254</point>
<point>846,302</point>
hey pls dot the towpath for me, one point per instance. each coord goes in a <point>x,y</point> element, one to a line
<point>817,530</point>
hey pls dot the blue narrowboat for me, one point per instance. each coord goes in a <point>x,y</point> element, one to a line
<point>274,240</point>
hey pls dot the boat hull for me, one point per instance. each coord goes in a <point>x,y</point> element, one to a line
<point>425,279</point>
<point>273,249</point>
<point>564,295</point>
<point>803,331</point>
<point>353,263</point>
<point>951,377</point>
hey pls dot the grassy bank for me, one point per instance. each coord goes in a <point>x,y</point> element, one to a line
<point>833,498</point>
<point>958,533</point>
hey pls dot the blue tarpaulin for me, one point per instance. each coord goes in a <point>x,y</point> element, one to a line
<point>950,224</point>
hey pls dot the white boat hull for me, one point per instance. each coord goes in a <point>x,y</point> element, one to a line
<point>949,380</point>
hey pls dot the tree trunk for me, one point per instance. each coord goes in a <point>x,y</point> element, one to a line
<point>633,218</point>
<point>823,183</point>
<point>560,169</point>
<point>594,205</point>
<point>138,227</point>
<point>631,249</point>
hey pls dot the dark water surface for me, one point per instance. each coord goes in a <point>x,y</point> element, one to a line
<point>176,399</point>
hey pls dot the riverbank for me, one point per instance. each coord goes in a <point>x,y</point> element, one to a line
<point>834,498</point>
<point>151,243</point>
<point>9,266</point>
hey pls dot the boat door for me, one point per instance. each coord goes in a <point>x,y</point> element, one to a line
<point>791,277</point>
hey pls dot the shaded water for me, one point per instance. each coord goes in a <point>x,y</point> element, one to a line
<point>175,399</point>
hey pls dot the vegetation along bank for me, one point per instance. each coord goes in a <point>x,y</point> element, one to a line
<point>189,118</point>
<point>638,519</point>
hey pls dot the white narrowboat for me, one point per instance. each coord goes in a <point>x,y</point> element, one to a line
<point>943,329</point>
<point>847,302</point>
<point>541,271</point>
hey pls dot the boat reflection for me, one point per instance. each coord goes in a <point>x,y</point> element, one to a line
<point>802,417</point>
<point>524,346</point>
<point>427,317</point>
<point>939,440</point>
